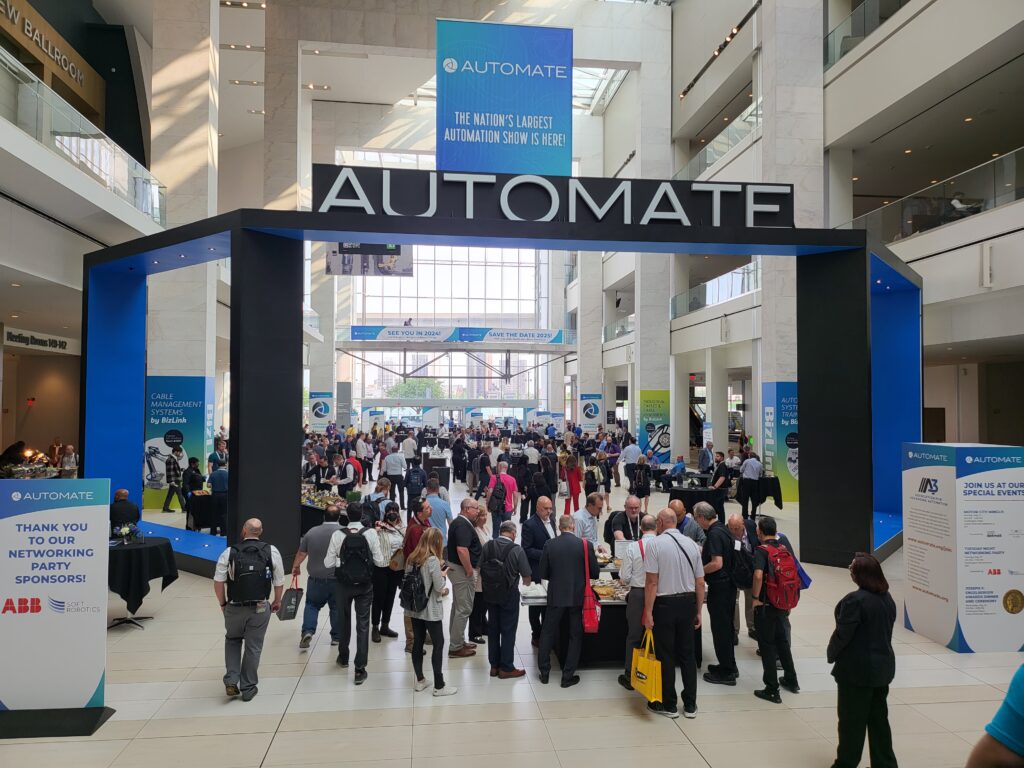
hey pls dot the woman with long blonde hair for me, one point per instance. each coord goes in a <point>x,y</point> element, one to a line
<point>427,558</point>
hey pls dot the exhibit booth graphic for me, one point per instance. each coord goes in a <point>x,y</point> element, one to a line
<point>963,545</point>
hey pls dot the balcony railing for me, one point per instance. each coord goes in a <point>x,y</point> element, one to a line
<point>571,268</point>
<point>25,101</point>
<point>731,285</point>
<point>982,188</point>
<point>717,148</point>
<point>865,19</point>
<point>619,328</point>
<point>311,319</point>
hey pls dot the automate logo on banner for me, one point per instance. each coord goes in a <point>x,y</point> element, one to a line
<point>504,98</point>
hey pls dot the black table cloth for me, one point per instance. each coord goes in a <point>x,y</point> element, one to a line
<point>200,512</point>
<point>133,566</point>
<point>311,517</point>
<point>690,496</point>
<point>767,488</point>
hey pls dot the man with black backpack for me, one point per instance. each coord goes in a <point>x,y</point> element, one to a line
<point>242,581</point>
<point>717,555</point>
<point>776,589</point>
<point>351,554</point>
<point>502,563</point>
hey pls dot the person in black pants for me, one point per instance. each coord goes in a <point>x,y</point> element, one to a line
<point>770,622</point>
<point>385,580</point>
<point>864,665</point>
<point>562,563</point>
<point>359,596</point>
<point>717,556</point>
<point>459,459</point>
<point>674,589</point>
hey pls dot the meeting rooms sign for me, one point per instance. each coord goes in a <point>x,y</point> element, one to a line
<point>504,98</point>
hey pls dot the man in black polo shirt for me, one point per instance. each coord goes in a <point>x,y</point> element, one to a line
<point>717,558</point>
<point>772,639</point>
<point>463,557</point>
<point>720,478</point>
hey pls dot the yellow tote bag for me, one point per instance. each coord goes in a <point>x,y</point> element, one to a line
<point>645,675</point>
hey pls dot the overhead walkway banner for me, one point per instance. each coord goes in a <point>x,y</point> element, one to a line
<point>458,335</point>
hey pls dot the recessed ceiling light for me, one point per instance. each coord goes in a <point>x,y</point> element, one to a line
<point>15,316</point>
<point>885,202</point>
<point>1008,184</point>
<point>316,52</point>
<point>995,154</point>
<point>949,349</point>
<point>888,287</point>
<point>181,255</point>
<point>963,358</point>
<point>211,248</point>
<point>220,133</point>
<point>735,30</point>
<point>725,119</point>
<point>15,285</point>
<point>968,119</point>
<point>878,282</point>
<point>256,111</point>
<point>64,326</point>
<point>935,181</point>
<point>155,261</point>
<point>702,141</point>
<point>907,151</point>
<point>856,178</point>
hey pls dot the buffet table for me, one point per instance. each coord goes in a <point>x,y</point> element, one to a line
<point>606,648</point>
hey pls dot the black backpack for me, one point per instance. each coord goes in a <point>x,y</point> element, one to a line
<point>609,530</point>
<point>415,483</point>
<point>496,580</point>
<point>250,568</point>
<point>496,504</point>
<point>413,596</point>
<point>742,573</point>
<point>355,567</point>
<point>375,506</point>
<point>590,484</point>
<point>642,481</point>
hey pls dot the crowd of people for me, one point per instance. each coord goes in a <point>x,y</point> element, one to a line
<point>681,567</point>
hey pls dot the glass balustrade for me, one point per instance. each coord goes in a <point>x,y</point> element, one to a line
<point>982,188</point>
<point>619,328</point>
<point>311,319</point>
<point>865,19</point>
<point>717,148</point>
<point>25,101</point>
<point>731,285</point>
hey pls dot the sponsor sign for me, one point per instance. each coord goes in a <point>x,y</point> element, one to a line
<point>179,412</point>
<point>53,593</point>
<point>504,98</point>
<point>963,539</point>
<point>779,427</point>
<point>653,428</point>
<point>590,412</point>
<point>321,410</point>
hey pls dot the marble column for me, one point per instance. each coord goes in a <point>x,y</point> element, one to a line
<point>323,297</point>
<point>181,327</point>
<point>716,383</point>
<point>789,76</point>
<point>553,397</point>
<point>839,170</point>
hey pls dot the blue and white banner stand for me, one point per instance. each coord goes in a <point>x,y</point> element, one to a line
<point>591,412</point>
<point>963,542</point>
<point>53,606</point>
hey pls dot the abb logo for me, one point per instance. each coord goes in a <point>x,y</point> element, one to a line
<point>21,605</point>
<point>995,572</point>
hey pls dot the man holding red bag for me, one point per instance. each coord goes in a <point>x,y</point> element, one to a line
<point>564,563</point>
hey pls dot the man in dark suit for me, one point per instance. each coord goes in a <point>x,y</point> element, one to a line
<point>562,564</point>
<point>122,511</point>
<point>537,531</point>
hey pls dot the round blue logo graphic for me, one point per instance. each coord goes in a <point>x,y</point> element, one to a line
<point>321,409</point>
<point>591,410</point>
<point>450,65</point>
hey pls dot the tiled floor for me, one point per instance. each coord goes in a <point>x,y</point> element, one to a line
<point>165,684</point>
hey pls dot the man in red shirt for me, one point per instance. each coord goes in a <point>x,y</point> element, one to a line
<point>511,497</point>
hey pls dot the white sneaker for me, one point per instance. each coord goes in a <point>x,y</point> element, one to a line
<point>448,690</point>
<point>421,685</point>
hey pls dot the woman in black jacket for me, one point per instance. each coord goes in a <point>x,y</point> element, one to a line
<point>864,665</point>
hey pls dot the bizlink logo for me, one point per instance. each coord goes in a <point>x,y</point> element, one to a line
<point>506,68</point>
<point>928,485</point>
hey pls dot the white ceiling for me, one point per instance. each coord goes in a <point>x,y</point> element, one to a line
<point>41,305</point>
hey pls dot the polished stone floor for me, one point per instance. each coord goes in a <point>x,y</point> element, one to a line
<point>165,683</point>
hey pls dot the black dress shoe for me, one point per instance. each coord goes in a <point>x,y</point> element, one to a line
<point>570,682</point>
<point>624,682</point>
<point>360,676</point>
<point>769,695</point>
<point>375,635</point>
<point>790,685</point>
<point>544,678</point>
<point>719,678</point>
<point>388,632</point>
<point>479,640</point>
<point>343,661</point>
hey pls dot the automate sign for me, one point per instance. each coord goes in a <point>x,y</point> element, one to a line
<point>504,98</point>
<point>456,335</point>
<point>620,209</point>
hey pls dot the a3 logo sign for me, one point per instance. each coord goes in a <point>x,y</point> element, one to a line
<point>928,485</point>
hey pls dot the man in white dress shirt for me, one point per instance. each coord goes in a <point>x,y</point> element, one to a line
<point>633,574</point>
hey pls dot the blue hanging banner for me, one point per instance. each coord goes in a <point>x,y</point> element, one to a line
<point>504,98</point>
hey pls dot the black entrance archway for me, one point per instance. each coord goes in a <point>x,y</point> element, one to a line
<point>858,307</point>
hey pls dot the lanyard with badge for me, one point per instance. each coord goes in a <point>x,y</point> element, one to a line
<point>632,533</point>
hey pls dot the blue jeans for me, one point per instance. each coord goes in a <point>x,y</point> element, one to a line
<point>319,592</point>
<point>501,632</point>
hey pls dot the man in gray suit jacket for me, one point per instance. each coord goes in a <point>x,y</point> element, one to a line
<point>562,564</point>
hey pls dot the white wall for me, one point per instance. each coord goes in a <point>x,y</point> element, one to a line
<point>240,178</point>
<point>955,388</point>
<point>34,245</point>
<point>53,380</point>
<point>620,128</point>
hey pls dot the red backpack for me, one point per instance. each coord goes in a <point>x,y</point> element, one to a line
<point>781,580</point>
<point>357,466</point>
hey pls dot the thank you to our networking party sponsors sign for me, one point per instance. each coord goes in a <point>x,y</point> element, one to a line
<point>179,412</point>
<point>321,410</point>
<point>504,98</point>
<point>780,426</point>
<point>653,426</point>
<point>963,537</point>
<point>591,412</point>
<point>53,593</point>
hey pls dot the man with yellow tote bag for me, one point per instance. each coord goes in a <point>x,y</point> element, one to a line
<point>645,676</point>
<point>632,574</point>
